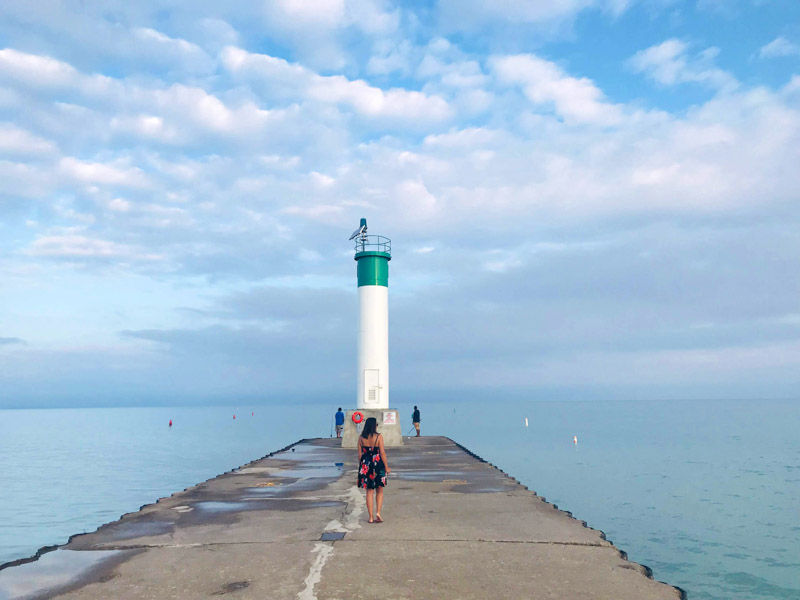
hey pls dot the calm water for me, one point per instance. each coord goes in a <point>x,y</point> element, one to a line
<point>705,493</point>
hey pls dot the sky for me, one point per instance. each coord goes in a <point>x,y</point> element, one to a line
<point>586,198</point>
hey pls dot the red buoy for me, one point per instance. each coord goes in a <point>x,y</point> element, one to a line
<point>170,422</point>
<point>252,414</point>
<point>234,416</point>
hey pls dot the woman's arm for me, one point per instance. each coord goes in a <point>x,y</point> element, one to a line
<point>383,454</point>
<point>358,448</point>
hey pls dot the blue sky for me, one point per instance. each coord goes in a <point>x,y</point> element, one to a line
<point>587,198</point>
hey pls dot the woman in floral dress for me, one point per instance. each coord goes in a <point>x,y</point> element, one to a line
<point>373,467</point>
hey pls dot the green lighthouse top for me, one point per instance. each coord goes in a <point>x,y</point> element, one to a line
<point>373,253</point>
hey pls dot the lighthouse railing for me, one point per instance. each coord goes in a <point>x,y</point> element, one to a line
<point>373,243</point>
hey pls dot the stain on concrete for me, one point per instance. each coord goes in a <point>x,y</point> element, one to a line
<point>232,587</point>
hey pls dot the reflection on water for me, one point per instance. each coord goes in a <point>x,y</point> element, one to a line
<point>705,493</point>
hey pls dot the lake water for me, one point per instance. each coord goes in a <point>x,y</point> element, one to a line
<point>707,494</point>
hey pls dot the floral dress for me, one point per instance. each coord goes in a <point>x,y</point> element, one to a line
<point>371,472</point>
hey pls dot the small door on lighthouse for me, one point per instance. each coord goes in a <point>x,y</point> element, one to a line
<point>372,388</point>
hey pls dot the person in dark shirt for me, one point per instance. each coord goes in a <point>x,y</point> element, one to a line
<point>415,419</point>
<point>339,422</point>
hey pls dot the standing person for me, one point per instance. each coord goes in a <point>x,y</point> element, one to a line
<point>373,467</point>
<point>415,419</point>
<point>339,422</point>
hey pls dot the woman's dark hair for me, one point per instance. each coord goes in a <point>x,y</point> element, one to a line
<point>370,427</point>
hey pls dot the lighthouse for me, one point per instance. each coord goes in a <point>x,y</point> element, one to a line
<point>373,253</point>
<point>372,256</point>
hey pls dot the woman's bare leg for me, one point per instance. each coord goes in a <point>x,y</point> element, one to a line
<point>370,494</point>
<point>379,501</point>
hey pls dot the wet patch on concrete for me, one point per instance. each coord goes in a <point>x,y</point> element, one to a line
<point>289,487</point>
<point>435,476</point>
<point>128,530</point>
<point>314,471</point>
<point>309,453</point>
<point>273,491</point>
<point>251,504</point>
<point>58,572</point>
<point>332,536</point>
<point>218,507</point>
<point>480,489</point>
<point>295,504</point>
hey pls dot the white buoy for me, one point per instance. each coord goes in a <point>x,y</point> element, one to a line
<point>526,421</point>
<point>574,439</point>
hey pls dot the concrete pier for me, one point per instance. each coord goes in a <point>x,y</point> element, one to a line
<point>293,525</point>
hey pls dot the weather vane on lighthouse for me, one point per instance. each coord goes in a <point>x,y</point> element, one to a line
<point>373,253</point>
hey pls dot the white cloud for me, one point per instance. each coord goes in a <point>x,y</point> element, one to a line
<point>316,30</point>
<point>779,47</point>
<point>374,102</point>
<point>15,141</point>
<point>74,246</point>
<point>459,73</point>
<point>119,205</point>
<point>151,127</point>
<point>388,57</point>
<point>406,106</point>
<point>23,180</point>
<point>173,114</point>
<point>577,100</point>
<point>104,174</point>
<point>417,199</point>
<point>315,212</point>
<point>203,111</point>
<point>329,14</point>
<point>501,261</point>
<point>160,46</point>
<point>669,64</point>
<point>793,87</point>
<point>321,180</point>
<point>38,71</point>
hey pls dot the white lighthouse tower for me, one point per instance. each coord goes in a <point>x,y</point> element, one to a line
<point>373,253</point>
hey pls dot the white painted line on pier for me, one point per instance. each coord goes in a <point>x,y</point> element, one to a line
<point>323,550</point>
